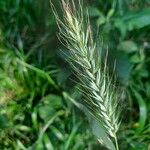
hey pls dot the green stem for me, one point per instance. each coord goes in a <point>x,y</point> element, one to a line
<point>116,142</point>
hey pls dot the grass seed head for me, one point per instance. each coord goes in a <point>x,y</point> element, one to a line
<point>100,94</point>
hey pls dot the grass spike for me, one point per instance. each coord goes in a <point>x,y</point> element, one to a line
<point>100,96</point>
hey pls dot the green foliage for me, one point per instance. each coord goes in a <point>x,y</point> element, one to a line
<point>35,109</point>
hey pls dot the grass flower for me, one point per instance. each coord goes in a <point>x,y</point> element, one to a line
<point>97,86</point>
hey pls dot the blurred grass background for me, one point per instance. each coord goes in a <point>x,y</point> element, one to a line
<point>37,95</point>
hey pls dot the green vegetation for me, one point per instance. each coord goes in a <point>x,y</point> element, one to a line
<point>38,99</point>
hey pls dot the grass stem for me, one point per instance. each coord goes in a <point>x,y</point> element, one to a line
<point>116,143</point>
